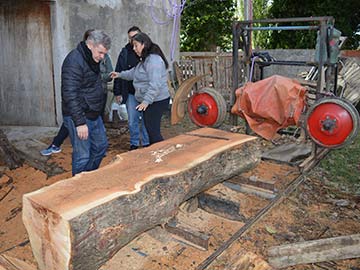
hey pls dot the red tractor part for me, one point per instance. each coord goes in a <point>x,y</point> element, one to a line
<point>332,122</point>
<point>207,108</point>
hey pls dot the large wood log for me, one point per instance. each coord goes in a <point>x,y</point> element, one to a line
<point>81,222</point>
<point>329,249</point>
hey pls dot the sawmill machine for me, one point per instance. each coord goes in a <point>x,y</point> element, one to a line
<point>329,120</point>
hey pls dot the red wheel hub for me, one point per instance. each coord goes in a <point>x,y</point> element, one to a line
<point>203,109</point>
<point>330,124</point>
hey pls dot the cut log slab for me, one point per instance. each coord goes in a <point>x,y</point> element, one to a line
<point>81,222</point>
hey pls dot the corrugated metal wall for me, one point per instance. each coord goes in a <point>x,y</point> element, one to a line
<point>26,70</point>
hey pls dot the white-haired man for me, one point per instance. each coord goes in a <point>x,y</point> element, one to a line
<point>82,100</point>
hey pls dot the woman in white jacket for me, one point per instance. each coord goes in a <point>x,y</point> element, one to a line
<point>149,78</point>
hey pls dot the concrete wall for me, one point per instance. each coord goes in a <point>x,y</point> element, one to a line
<point>70,19</point>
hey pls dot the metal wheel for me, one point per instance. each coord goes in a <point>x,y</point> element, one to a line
<point>207,108</point>
<point>332,122</point>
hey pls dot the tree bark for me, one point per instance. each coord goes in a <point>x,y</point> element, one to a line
<point>330,249</point>
<point>8,155</point>
<point>81,222</point>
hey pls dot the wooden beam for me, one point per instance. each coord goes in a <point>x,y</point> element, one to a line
<point>222,201</point>
<point>196,238</point>
<point>250,189</point>
<point>81,222</point>
<point>267,184</point>
<point>329,249</point>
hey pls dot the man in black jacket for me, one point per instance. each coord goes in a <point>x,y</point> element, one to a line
<point>124,92</point>
<point>82,101</point>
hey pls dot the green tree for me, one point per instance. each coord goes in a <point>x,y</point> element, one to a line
<point>260,11</point>
<point>346,15</point>
<point>206,24</point>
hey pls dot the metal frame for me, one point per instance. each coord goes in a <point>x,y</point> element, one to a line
<point>242,32</point>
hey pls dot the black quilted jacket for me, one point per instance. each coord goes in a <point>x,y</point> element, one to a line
<point>81,87</point>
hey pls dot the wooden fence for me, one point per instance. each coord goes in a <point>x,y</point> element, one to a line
<point>217,66</point>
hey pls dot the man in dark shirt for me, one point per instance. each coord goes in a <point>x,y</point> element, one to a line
<point>82,101</point>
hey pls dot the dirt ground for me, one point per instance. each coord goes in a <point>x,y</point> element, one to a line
<point>315,210</point>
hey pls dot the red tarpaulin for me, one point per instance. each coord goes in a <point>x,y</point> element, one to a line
<point>270,104</point>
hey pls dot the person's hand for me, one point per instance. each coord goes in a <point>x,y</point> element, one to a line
<point>114,74</point>
<point>142,106</point>
<point>118,99</point>
<point>82,132</point>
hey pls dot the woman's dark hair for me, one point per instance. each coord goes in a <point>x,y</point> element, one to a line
<point>87,33</point>
<point>149,47</point>
<point>134,29</point>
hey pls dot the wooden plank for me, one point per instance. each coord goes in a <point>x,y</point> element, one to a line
<point>329,249</point>
<point>222,202</point>
<point>249,189</point>
<point>216,74</point>
<point>253,180</point>
<point>179,77</point>
<point>196,238</point>
<point>281,175</point>
<point>81,222</point>
<point>228,203</point>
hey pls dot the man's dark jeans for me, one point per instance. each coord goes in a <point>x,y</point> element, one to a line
<point>87,154</point>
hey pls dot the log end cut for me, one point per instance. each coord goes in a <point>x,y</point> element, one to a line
<point>49,235</point>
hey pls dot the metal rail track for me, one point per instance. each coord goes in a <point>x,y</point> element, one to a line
<point>275,201</point>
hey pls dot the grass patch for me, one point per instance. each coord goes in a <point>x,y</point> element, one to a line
<point>343,165</point>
